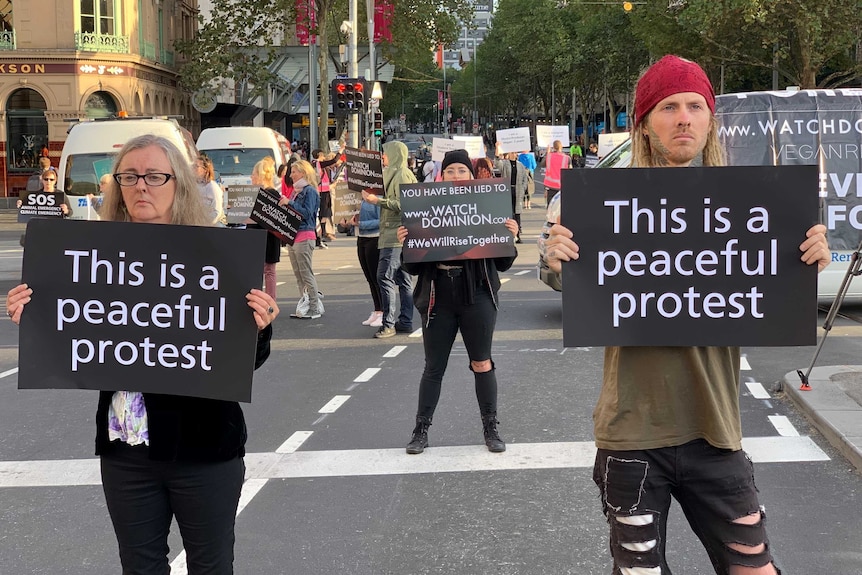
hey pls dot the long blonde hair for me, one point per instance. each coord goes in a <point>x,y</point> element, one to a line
<point>188,207</point>
<point>264,170</point>
<point>308,170</point>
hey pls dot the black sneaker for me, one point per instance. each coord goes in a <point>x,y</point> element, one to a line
<point>401,328</point>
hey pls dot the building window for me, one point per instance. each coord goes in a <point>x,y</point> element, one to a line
<point>7,31</point>
<point>26,129</point>
<point>97,17</point>
<point>100,105</point>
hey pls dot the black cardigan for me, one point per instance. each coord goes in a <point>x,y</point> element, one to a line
<point>188,428</point>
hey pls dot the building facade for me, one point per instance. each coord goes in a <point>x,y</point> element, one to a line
<point>75,59</point>
<point>464,48</point>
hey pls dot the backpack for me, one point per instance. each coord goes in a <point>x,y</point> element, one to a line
<point>34,183</point>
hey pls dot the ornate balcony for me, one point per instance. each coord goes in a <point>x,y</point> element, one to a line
<point>92,42</point>
<point>7,40</point>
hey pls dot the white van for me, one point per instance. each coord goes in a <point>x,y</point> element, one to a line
<point>235,150</point>
<point>91,145</point>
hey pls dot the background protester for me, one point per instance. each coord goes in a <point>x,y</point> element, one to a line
<point>667,421</point>
<point>367,223</point>
<point>263,175</point>
<point>528,160</point>
<point>49,186</point>
<point>391,277</point>
<point>306,201</point>
<point>484,169</point>
<point>323,163</point>
<point>515,174</point>
<point>453,296</point>
<point>555,162</point>
<point>166,456</point>
<point>210,191</point>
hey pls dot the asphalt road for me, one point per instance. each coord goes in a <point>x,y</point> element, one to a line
<point>330,489</point>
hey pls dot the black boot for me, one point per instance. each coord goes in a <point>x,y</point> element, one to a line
<point>492,437</point>
<point>420,435</point>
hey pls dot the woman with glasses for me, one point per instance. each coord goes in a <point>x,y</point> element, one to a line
<point>167,456</point>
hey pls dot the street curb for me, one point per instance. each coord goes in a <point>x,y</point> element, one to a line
<point>835,414</point>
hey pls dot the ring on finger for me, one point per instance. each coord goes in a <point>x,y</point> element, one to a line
<point>270,310</point>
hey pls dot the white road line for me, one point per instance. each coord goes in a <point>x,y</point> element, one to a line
<point>347,267</point>
<point>757,390</point>
<point>334,404</point>
<point>523,272</point>
<point>417,333</point>
<point>743,364</point>
<point>391,353</point>
<point>9,372</point>
<point>362,462</point>
<point>367,375</point>
<point>783,426</point>
<point>280,283</point>
<point>504,280</point>
<point>294,442</point>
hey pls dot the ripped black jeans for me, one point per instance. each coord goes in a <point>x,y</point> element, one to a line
<point>713,486</point>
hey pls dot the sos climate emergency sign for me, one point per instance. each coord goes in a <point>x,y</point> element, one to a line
<point>689,257</point>
<point>140,307</point>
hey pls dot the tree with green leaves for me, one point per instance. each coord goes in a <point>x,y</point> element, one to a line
<point>241,39</point>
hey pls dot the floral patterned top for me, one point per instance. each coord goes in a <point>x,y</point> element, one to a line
<point>127,418</point>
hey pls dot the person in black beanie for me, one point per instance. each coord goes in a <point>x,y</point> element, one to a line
<point>453,296</point>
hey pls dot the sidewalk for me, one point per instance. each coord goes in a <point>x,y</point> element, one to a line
<point>834,405</point>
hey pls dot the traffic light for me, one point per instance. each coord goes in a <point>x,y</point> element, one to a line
<point>378,123</point>
<point>348,96</point>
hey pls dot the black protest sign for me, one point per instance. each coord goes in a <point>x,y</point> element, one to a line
<point>345,202</point>
<point>40,205</point>
<point>689,257</point>
<point>240,201</point>
<point>457,220</point>
<point>364,170</point>
<point>140,307</point>
<point>284,221</point>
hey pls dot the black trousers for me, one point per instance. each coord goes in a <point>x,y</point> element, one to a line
<point>143,495</point>
<point>476,323</point>
<point>369,257</point>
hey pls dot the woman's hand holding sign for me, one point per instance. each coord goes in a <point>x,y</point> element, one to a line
<point>264,307</point>
<point>16,299</point>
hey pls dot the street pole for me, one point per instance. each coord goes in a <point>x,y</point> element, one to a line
<point>372,66</point>
<point>352,72</point>
<point>475,99</point>
<point>313,102</point>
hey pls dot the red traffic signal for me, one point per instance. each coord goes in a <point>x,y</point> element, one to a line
<point>348,95</point>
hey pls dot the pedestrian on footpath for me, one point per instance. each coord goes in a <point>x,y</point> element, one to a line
<point>517,176</point>
<point>555,162</point>
<point>391,277</point>
<point>667,421</point>
<point>453,296</point>
<point>167,456</point>
<point>528,160</point>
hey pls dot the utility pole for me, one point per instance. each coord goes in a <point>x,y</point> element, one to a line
<point>352,72</point>
<point>373,105</point>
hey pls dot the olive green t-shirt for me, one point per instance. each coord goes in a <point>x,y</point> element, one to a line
<point>666,396</point>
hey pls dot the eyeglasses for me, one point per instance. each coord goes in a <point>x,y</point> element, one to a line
<point>151,179</point>
<point>50,179</point>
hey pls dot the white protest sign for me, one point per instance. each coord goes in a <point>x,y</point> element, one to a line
<point>474,145</point>
<point>546,135</point>
<point>440,146</point>
<point>607,142</point>
<point>513,140</point>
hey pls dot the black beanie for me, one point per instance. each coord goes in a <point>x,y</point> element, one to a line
<point>458,157</point>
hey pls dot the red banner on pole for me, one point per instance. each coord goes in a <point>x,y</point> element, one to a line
<point>383,12</point>
<point>306,20</point>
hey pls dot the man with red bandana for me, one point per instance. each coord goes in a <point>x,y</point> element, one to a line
<point>667,421</point>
